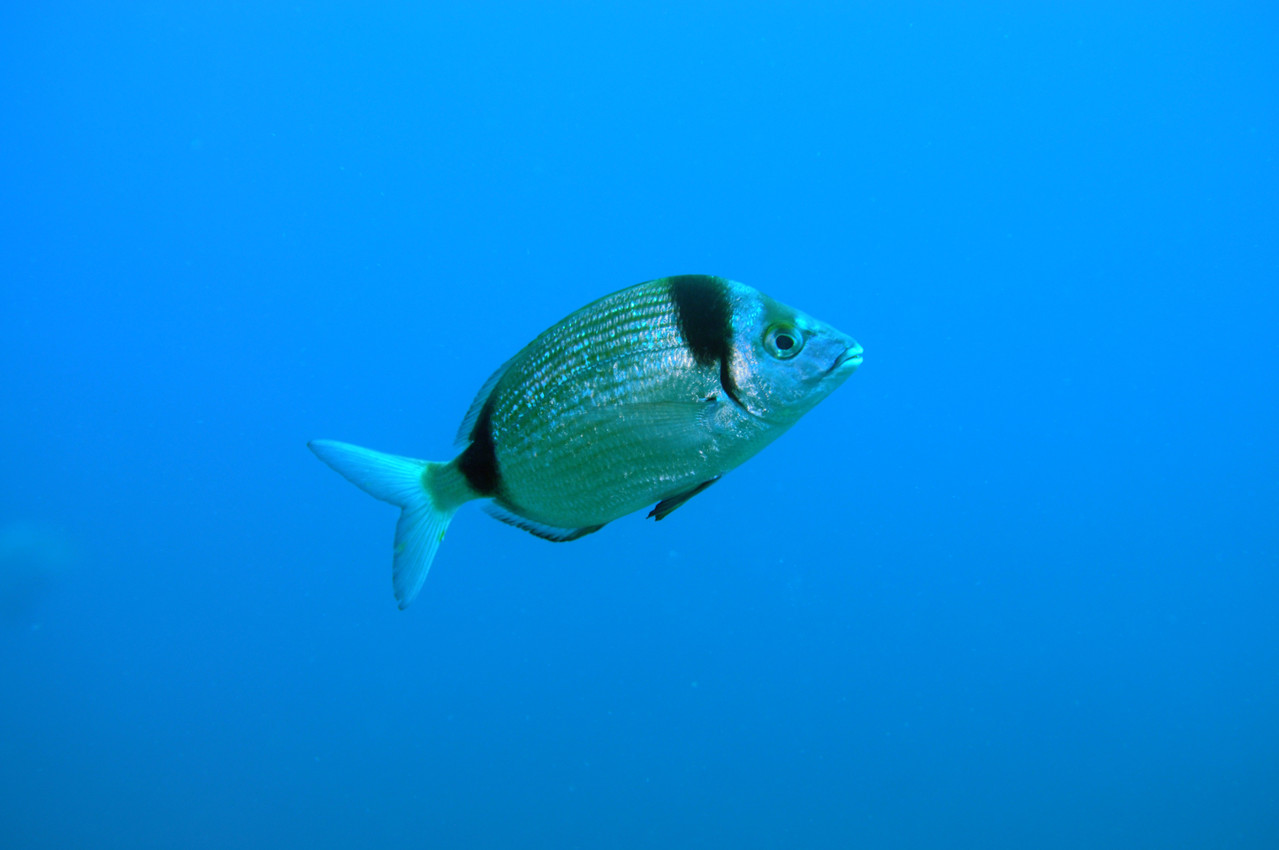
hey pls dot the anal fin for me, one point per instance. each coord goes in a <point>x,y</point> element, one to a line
<point>538,529</point>
<point>664,507</point>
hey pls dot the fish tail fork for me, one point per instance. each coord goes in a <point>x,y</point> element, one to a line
<point>405,483</point>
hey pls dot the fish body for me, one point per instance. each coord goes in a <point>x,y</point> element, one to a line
<point>647,395</point>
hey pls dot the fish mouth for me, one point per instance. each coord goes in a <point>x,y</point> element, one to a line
<point>848,360</point>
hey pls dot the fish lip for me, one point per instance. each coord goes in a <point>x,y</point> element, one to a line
<point>851,356</point>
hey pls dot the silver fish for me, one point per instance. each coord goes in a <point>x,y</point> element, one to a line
<point>645,396</point>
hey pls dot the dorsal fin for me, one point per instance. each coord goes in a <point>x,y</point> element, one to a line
<point>473,414</point>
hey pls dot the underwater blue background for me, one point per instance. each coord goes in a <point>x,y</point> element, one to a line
<point>1015,584</point>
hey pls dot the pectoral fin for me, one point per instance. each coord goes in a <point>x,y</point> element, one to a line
<point>665,506</point>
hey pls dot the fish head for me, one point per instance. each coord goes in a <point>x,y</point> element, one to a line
<point>784,361</point>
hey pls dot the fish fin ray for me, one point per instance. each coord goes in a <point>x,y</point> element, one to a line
<point>473,413</point>
<point>401,482</point>
<point>663,508</point>
<point>553,533</point>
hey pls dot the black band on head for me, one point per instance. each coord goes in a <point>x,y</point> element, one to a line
<point>706,322</point>
<point>704,314</point>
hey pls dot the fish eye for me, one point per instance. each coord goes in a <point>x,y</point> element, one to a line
<point>783,341</point>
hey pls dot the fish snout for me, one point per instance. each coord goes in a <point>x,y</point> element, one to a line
<point>848,359</point>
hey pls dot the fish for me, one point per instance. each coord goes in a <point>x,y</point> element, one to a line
<point>643,397</point>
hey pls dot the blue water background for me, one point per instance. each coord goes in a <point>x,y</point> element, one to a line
<point>1016,584</point>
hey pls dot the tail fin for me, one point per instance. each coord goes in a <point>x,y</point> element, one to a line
<point>400,481</point>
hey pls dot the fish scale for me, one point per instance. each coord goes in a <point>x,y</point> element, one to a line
<point>561,453</point>
<point>563,368</point>
<point>644,396</point>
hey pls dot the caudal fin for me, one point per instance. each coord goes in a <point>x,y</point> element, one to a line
<point>400,481</point>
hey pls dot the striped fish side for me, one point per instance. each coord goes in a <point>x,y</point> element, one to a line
<point>569,445</point>
<point>587,360</point>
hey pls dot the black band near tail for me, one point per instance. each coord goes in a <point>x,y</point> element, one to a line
<point>479,461</point>
<point>705,318</point>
